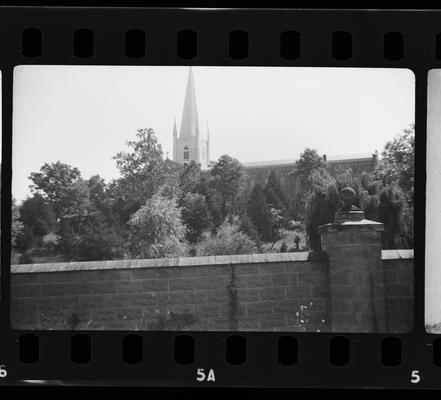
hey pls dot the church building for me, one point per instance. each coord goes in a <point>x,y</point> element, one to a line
<point>191,144</point>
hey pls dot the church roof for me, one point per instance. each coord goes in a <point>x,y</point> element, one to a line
<point>331,159</point>
<point>189,122</point>
<point>349,157</point>
<point>268,163</point>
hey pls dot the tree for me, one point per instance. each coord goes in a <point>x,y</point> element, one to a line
<point>246,226</point>
<point>309,168</point>
<point>16,224</point>
<point>309,161</point>
<point>87,237</point>
<point>55,182</point>
<point>97,192</point>
<point>227,240</point>
<point>143,173</point>
<point>397,163</point>
<point>260,214</point>
<point>156,229</point>
<point>37,219</point>
<point>189,177</point>
<point>195,215</point>
<point>322,205</point>
<point>392,205</point>
<point>228,182</point>
<point>387,204</point>
<point>274,194</point>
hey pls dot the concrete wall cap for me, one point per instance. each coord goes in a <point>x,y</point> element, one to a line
<point>397,254</point>
<point>363,225</point>
<point>210,261</point>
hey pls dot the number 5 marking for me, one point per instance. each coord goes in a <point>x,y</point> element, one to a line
<point>415,377</point>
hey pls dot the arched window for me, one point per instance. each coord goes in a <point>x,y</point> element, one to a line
<point>186,153</point>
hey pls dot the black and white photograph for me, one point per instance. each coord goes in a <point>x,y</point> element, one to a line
<point>201,198</point>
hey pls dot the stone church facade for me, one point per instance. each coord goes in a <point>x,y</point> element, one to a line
<point>193,145</point>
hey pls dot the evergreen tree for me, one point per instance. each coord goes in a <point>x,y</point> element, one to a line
<point>228,179</point>
<point>274,194</point>
<point>246,226</point>
<point>194,215</point>
<point>260,214</point>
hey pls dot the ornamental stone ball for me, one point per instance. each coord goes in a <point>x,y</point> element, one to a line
<point>347,196</point>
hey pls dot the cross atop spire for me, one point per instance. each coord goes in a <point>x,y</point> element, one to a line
<point>189,122</point>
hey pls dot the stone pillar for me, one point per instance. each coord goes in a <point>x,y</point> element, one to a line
<point>353,246</point>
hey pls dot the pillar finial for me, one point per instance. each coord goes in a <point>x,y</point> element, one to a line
<point>348,211</point>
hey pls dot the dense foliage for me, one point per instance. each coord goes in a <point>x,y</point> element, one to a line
<point>156,208</point>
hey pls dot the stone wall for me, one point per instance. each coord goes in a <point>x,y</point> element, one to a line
<point>260,292</point>
<point>398,283</point>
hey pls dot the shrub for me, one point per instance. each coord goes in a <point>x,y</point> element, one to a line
<point>227,240</point>
<point>157,230</point>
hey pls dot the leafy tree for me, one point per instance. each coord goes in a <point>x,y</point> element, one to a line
<point>170,185</point>
<point>16,224</point>
<point>143,173</point>
<point>227,240</point>
<point>195,215</point>
<point>387,204</point>
<point>97,192</point>
<point>79,200</point>
<point>228,183</point>
<point>260,214</point>
<point>189,178</point>
<point>156,229</point>
<point>37,219</point>
<point>55,182</point>
<point>321,207</point>
<point>309,168</point>
<point>87,237</point>
<point>309,161</point>
<point>392,204</point>
<point>397,163</point>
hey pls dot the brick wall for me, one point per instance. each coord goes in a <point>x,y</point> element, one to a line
<point>261,292</point>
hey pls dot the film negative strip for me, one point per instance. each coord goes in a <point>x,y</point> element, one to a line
<point>220,197</point>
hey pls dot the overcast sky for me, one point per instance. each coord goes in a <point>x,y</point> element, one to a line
<point>84,115</point>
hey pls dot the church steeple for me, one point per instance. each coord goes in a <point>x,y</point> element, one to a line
<point>189,122</point>
<point>190,145</point>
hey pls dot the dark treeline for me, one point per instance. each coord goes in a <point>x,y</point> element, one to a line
<point>157,208</point>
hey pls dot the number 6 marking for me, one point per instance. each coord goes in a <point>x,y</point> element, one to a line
<point>3,372</point>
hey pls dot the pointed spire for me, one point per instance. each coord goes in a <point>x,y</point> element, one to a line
<point>175,131</point>
<point>189,122</point>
